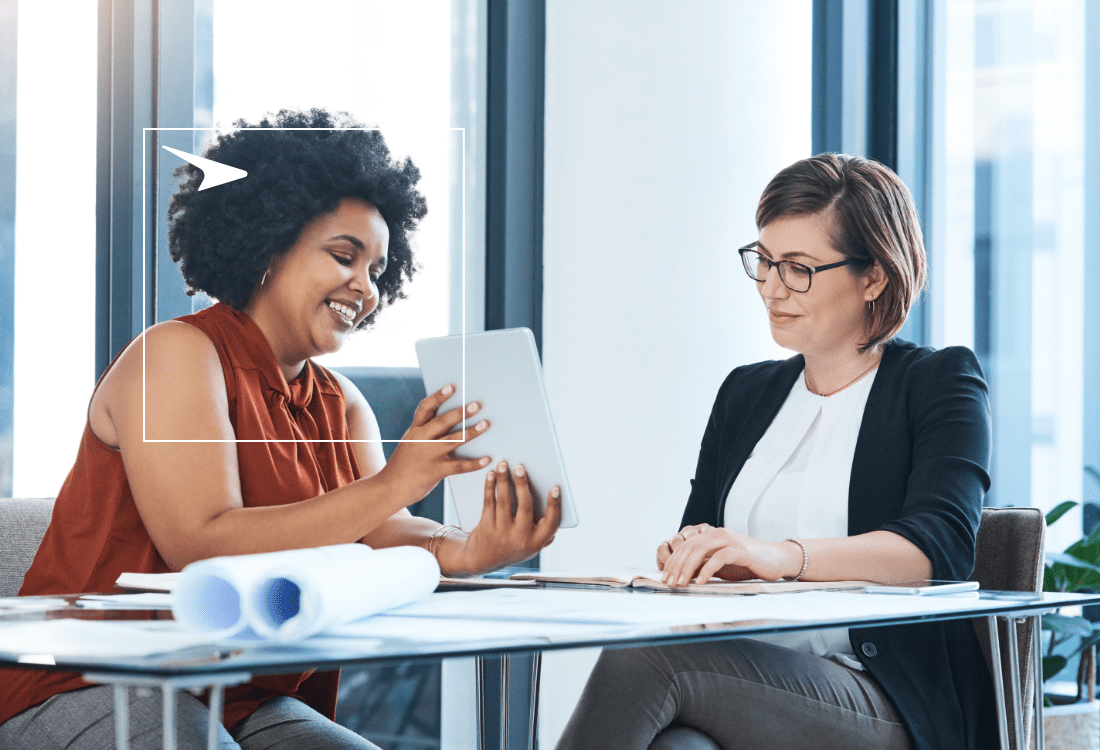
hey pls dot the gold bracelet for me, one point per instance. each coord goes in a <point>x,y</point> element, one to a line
<point>436,540</point>
<point>805,559</point>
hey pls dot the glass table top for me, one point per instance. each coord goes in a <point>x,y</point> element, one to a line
<point>466,623</point>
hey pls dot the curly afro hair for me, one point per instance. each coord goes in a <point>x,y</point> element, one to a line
<point>225,238</point>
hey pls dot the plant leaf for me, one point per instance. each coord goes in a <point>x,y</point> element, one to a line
<point>1092,640</point>
<point>1092,539</point>
<point>1068,626</point>
<point>1071,559</point>
<point>1052,665</point>
<point>1092,472</point>
<point>1050,581</point>
<point>1059,511</point>
<point>1075,578</point>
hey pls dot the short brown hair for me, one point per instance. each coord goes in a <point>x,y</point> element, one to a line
<point>872,220</point>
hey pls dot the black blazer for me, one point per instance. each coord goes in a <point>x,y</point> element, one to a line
<point>920,470</point>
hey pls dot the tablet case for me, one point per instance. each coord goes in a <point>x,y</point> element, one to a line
<point>501,370</point>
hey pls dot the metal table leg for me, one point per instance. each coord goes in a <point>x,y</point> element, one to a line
<point>217,700</point>
<point>998,682</point>
<point>481,679</point>
<point>215,682</point>
<point>1014,684</point>
<point>479,682</point>
<point>168,726</point>
<point>1037,676</point>
<point>533,725</point>
<point>505,662</point>
<point>122,718</point>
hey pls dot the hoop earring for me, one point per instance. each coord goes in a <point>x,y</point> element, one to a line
<point>263,279</point>
<point>871,308</point>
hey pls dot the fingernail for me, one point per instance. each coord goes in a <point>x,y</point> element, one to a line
<point>490,476</point>
<point>484,462</point>
<point>520,471</point>
<point>502,466</point>
<point>555,492</point>
<point>471,408</point>
<point>481,425</point>
<point>448,390</point>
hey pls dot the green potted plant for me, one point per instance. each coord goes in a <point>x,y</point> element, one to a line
<point>1071,722</point>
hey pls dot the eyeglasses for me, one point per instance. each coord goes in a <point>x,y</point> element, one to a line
<point>795,276</point>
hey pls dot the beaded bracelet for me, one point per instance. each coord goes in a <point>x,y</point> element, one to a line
<point>805,559</point>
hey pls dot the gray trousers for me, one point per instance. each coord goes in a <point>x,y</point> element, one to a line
<point>84,720</point>
<point>738,694</point>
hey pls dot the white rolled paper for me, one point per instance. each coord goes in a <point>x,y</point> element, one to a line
<point>291,595</point>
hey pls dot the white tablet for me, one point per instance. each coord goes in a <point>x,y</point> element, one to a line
<point>501,370</point>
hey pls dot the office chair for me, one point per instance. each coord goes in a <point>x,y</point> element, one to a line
<point>1009,557</point>
<point>23,523</point>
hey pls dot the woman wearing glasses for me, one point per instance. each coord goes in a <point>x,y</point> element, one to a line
<point>861,458</point>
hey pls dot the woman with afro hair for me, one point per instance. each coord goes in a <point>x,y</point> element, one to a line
<point>216,434</point>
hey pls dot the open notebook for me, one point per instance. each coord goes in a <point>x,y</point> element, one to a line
<point>651,579</point>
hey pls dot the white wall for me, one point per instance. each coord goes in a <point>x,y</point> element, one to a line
<point>664,122</point>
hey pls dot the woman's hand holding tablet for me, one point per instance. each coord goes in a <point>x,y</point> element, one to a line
<point>425,454</point>
<point>505,536</point>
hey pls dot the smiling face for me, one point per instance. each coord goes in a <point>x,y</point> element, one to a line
<point>832,316</point>
<point>317,292</point>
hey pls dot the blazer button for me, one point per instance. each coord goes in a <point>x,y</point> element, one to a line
<point>869,650</point>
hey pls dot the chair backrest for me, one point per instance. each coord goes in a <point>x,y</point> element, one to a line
<point>395,392</point>
<point>1009,557</point>
<point>23,522</point>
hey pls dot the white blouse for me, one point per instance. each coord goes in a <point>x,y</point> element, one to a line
<point>794,485</point>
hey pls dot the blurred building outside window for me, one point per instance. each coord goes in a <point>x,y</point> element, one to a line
<point>1008,244</point>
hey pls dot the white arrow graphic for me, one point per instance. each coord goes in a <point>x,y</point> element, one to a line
<point>213,173</point>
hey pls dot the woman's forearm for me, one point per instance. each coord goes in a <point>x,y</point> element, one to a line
<point>342,516</point>
<point>406,529</point>
<point>880,556</point>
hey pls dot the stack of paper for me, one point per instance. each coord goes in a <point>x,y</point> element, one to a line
<point>149,581</point>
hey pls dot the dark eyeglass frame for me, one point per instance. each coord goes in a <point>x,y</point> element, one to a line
<point>781,264</point>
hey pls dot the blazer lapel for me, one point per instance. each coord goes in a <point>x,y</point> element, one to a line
<point>871,499</point>
<point>773,391</point>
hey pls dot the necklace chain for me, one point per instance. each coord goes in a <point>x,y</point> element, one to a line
<point>813,389</point>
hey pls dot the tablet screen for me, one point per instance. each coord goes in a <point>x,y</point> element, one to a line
<point>501,370</point>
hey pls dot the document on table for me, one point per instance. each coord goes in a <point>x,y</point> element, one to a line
<point>149,581</point>
<point>29,603</point>
<point>125,601</point>
<point>641,609</point>
<point>96,639</point>
<point>651,579</point>
<point>431,630</point>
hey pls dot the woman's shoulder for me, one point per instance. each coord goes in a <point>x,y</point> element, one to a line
<point>169,357</point>
<point>171,344</point>
<point>927,364</point>
<point>748,384</point>
<point>759,373</point>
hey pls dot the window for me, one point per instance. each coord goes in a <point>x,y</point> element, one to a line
<point>55,240</point>
<point>389,65</point>
<point>1008,246</point>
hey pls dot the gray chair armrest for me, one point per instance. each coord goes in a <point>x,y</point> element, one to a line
<point>23,523</point>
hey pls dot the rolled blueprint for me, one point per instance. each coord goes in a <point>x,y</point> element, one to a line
<point>291,595</point>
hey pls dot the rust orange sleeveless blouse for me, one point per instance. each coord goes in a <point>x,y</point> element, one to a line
<point>96,532</point>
